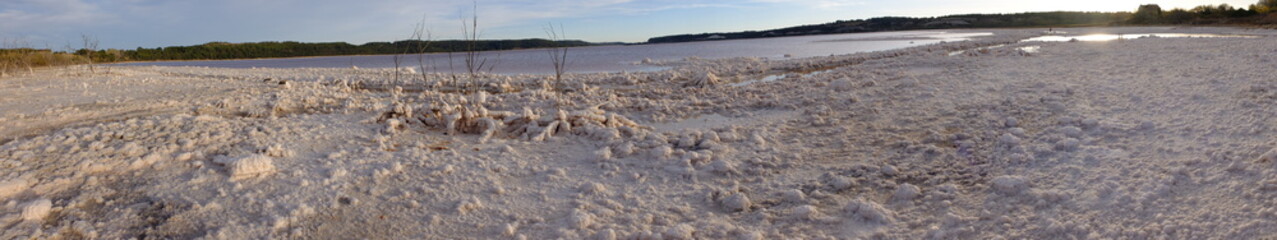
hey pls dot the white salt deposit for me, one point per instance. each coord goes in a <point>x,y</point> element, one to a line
<point>906,192</point>
<point>36,210</point>
<point>14,186</point>
<point>794,196</point>
<point>736,202</point>
<point>991,143</point>
<point>1270,156</point>
<point>869,212</point>
<point>805,212</point>
<point>250,166</point>
<point>1009,185</point>
<point>1009,139</point>
<point>680,232</point>
<point>580,219</point>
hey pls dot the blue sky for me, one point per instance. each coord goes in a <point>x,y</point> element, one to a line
<point>156,23</point>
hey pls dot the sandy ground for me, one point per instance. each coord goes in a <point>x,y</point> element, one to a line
<point>1160,138</point>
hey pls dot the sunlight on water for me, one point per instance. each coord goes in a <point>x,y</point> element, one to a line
<point>1111,37</point>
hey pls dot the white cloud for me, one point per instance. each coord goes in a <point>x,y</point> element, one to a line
<point>821,4</point>
<point>22,15</point>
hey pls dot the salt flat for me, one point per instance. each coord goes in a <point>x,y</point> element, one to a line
<point>1139,138</point>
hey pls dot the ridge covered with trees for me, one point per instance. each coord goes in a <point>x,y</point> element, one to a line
<point>1264,12</point>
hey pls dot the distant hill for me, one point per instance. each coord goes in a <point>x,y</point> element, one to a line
<point>1037,19</point>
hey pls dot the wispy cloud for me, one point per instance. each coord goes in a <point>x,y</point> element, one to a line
<point>28,15</point>
<point>824,4</point>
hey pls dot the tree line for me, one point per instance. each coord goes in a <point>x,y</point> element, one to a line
<point>1260,13</point>
<point>1264,12</point>
<point>224,50</point>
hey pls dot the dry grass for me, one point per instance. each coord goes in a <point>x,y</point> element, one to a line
<point>18,60</point>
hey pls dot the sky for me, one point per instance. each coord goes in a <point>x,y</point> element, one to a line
<point>129,24</point>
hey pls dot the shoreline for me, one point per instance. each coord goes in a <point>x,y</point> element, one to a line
<point>511,50</point>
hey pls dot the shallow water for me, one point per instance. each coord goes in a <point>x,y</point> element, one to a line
<point>615,58</point>
<point>1057,36</point>
<point>1111,37</point>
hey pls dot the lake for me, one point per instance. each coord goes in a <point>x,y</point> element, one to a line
<point>614,58</point>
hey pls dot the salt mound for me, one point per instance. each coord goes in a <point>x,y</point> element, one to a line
<point>906,192</point>
<point>794,196</point>
<point>580,219</point>
<point>13,187</point>
<point>469,205</point>
<point>1270,156</point>
<point>721,166</point>
<point>148,160</point>
<point>1068,144</point>
<point>278,151</point>
<point>605,234</point>
<point>251,166</point>
<point>889,170</point>
<point>1009,139</point>
<point>603,154</point>
<point>843,84</point>
<point>860,209</point>
<point>736,203</point>
<point>37,210</point>
<point>681,231</point>
<point>594,188</point>
<point>805,212</point>
<point>840,183</point>
<point>1010,185</point>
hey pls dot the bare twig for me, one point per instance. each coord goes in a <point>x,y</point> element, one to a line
<point>422,47</point>
<point>90,47</point>
<point>474,62</point>
<point>398,57</point>
<point>452,70</point>
<point>558,54</point>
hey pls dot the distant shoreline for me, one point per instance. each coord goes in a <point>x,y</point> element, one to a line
<point>352,55</point>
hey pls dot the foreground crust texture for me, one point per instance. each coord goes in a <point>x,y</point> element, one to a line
<point>1145,138</point>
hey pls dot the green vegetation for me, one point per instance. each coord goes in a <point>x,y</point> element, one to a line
<point>1264,12</point>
